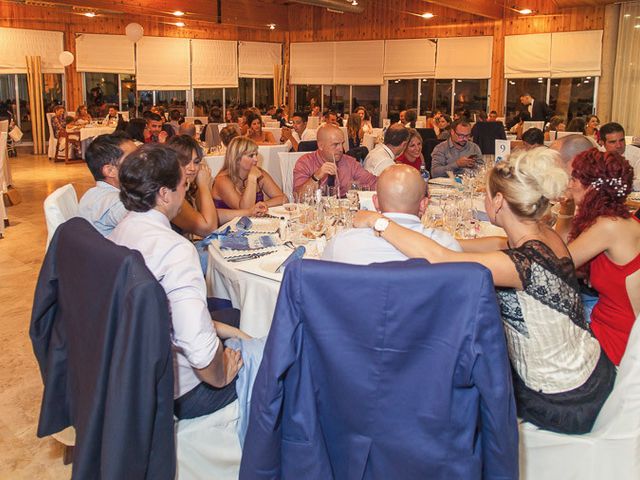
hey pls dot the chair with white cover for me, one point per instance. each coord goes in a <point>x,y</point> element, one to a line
<point>59,207</point>
<point>125,115</point>
<point>3,181</point>
<point>610,450</point>
<point>287,163</point>
<point>53,141</point>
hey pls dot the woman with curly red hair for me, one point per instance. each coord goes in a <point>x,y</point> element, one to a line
<point>605,239</point>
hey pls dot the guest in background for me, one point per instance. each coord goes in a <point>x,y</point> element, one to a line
<point>280,117</point>
<point>355,131</point>
<point>591,127</point>
<point>174,121</point>
<point>411,117</point>
<point>58,123</point>
<point>561,376</point>
<point>412,155</point>
<point>577,124</point>
<point>256,133</point>
<point>532,138</point>
<point>112,118</point>
<point>241,183</point>
<point>299,132</point>
<point>493,116</point>
<point>215,115</point>
<point>394,117</point>
<point>366,119</point>
<point>82,115</point>
<point>230,115</point>
<point>242,123</point>
<point>154,132</point>
<point>443,131</point>
<point>330,118</point>
<point>137,130</point>
<point>457,154</point>
<point>384,154</point>
<point>517,123</point>
<point>403,117</point>
<point>315,111</point>
<point>228,133</point>
<point>612,139</point>
<point>556,124</point>
<point>538,110</point>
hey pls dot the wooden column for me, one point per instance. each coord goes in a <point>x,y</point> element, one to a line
<point>609,46</point>
<point>496,102</point>
<point>73,79</point>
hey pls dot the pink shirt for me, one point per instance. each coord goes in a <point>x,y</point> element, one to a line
<point>349,171</point>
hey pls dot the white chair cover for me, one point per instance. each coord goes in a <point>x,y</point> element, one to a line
<point>314,122</point>
<point>287,163</point>
<point>125,115</point>
<point>610,451</point>
<point>275,131</point>
<point>208,447</point>
<point>272,124</point>
<point>59,207</point>
<point>3,180</point>
<point>53,141</point>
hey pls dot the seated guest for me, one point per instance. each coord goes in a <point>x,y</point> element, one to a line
<point>271,111</point>
<point>400,196</point>
<point>280,117</point>
<point>112,118</point>
<point>82,115</point>
<point>443,130</point>
<point>612,140</point>
<point>577,124</point>
<point>605,241</point>
<point>591,126</point>
<point>556,124</point>
<point>228,133</point>
<point>384,154</point>
<point>136,130</point>
<point>230,115</point>
<point>493,116</point>
<point>58,122</point>
<point>330,166</point>
<point>242,123</point>
<point>299,132</point>
<point>394,117</point>
<point>174,121</point>
<point>241,183</point>
<point>412,155</point>
<point>330,118</point>
<point>457,154</point>
<point>256,133</point>
<point>517,123</point>
<point>154,132</point>
<point>153,189</point>
<point>533,138</point>
<point>570,146</point>
<point>366,120</point>
<point>215,115</point>
<point>101,205</point>
<point>561,376</point>
<point>411,116</point>
<point>403,117</point>
<point>188,129</point>
<point>355,131</point>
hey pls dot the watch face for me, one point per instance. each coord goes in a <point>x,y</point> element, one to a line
<point>381,224</point>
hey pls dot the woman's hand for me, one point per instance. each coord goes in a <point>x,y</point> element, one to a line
<point>255,173</point>
<point>260,209</point>
<point>203,177</point>
<point>365,219</point>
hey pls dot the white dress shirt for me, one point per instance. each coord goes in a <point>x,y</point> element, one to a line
<point>307,136</point>
<point>174,262</point>
<point>378,159</point>
<point>360,246</point>
<point>632,154</point>
<point>101,206</point>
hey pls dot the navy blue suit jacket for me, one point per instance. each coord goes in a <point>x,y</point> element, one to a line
<point>100,332</point>
<point>395,370</point>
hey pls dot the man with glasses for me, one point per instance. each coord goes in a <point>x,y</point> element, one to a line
<point>457,154</point>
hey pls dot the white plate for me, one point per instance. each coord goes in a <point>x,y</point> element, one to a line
<point>443,181</point>
<point>271,263</point>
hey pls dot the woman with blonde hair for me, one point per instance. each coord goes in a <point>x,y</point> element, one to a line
<point>354,131</point>
<point>241,183</point>
<point>561,376</point>
<point>82,115</point>
<point>412,155</point>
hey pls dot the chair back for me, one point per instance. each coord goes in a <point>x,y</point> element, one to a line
<point>125,115</point>
<point>287,164</point>
<point>59,207</point>
<point>53,141</point>
<point>620,415</point>
<point>308,146</point>
<point>4,126</point>
<point>485,135</point>
<point>212,134</point>
<point>313,122</point>
<point>3,167</point>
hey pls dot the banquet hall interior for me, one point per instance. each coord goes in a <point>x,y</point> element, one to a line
<point>73,72</point>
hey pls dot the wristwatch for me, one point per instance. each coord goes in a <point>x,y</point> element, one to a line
<point>314,178</point>
<point>380,226</point>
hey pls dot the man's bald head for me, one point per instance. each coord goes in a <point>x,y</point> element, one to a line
<point>330,139</point>
<point>400,189</point>
<point>570,146</point>
<point>187,129</point>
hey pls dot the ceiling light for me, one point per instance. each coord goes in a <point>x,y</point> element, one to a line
<point>427,15</point>
<point>272,26</point>
<point>179,24</point>
<point>89,14</point>
<point>178,13</point>
<point>588,78</point>
<point>637,26</point>
<point>354,2</point>
<point>525,11</point>
<point>627,15</point>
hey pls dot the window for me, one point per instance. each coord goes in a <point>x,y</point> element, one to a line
<point>369,98</point>
<point>336,98</point>
<point>231,97</point>
<point>537,87</point>
<point>128,90</point>
<point>101,90</point>
<point>427,96</point>
<point>172,100</point>
<point>245,92</point>
<point>403,94</point>
<point>471,95</point>
<point>263,93</point>
<point>572,97</point>
<point>206,98</point>
<point>442,96</point>
<point>308,96</point>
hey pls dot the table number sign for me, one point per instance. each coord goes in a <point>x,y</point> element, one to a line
<point>503,149</point>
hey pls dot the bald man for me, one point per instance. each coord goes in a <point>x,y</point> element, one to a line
<point>570,146</point>
<point>188,129</point>
<point>329,165</point>
<point>400,196</point>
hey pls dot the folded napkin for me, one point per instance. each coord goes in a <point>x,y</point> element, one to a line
<point>221,232</point>
<point>296,254</point>
<point>247,242</point>
<point>482,216</point>
<point>244,223</point>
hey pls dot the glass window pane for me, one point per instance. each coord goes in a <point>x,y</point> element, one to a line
<point>369,98</point>
<point>102,90</point>
<point>8,108</point>
<point>443,96</point>
<point>231,98</point>
<point>128,89</point>
<point>537,87</point>
<point>471,95</point>
<point>25,109</point>
<point>307,97</point>
<point>427,96</point>
<point>145,97</point>
<point>172,100</point>
<point>403,94</point>
<point>336,98</point>
<point>246,92</point>
<point>204,99</point>
<point>572,97</point>
<point>264,93</point>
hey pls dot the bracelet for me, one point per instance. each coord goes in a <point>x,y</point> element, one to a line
<point>313,177</point>
<point>563,215</point>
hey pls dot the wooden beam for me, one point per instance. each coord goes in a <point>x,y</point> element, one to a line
<point>482,8</point>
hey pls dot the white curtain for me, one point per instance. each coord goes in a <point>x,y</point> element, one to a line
<point>409,58</point>
<point>104,53</point>
<point>576,54</point>
<point>163,63</point>
<point>214,63</point>
<point>312,63</point>
<point>464,57</point>
<point>358,63</point>
<point>256,59</point>
<point>18,43</point>
<point>626,80</point>
<point>527,56</point>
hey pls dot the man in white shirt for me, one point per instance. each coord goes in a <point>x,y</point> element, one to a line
<point>612,140</point>
<point>384,154</point>
<point>400,196</point>
<point>299,132</point>
<point>153,188</point>
<point>112,118</point>
<point>101,205</point>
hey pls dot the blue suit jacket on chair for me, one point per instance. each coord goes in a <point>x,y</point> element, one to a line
<point>391,371</point>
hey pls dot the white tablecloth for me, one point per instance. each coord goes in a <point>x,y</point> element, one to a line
<point>87,134</point>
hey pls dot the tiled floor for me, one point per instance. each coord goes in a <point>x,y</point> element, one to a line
<point>22,454</point>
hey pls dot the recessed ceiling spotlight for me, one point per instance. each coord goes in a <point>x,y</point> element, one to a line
<point>525,11</point>
<point>178,13</point>
<point>354,2</point>
<point>427,15</point>
<point>637,26</point>
<point>179,24</point>
<point>89,14</point>
<point>272,26</point>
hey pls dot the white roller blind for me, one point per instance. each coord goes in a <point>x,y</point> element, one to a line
<point>464,57</point>
<point>256,59</point>
<point>17,43</point>
<point>576,54</point>
<point>409,58</point>
<point>312,63</point>
<point>163,63</point>
<point>214,63</point>
<point>104,53</point>
<point>358,63</point>
<point>527,56</point>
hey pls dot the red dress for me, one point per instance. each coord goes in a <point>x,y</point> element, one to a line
<point>612,317</point>
<point>415,164</point>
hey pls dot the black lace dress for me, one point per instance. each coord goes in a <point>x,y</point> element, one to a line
<point>561,376</point>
